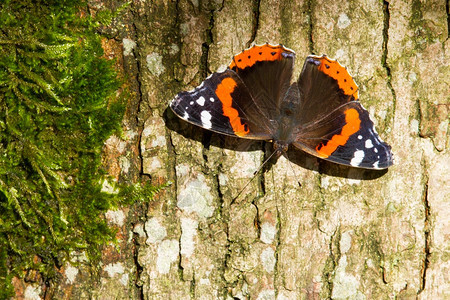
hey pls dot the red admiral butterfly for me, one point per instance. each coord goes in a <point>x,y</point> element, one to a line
<point>320,113</point>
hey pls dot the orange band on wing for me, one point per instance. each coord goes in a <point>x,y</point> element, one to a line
<point>333,69</point>
<point>351,127</point>
<point>257,53</point>
<point>223,92</point>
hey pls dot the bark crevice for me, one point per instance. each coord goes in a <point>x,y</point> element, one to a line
<point>310,8</point>
<point>278,281</point>
<point>255,25</point>
<point>332,261</point>
<point>427,239</point>
<point>385,53</point>
<point>447,7</point>
<point>139,268</point>
<point>204,61</point>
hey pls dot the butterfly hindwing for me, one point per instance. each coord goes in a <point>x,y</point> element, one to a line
<point>364,148</point>
<point>346,136</point>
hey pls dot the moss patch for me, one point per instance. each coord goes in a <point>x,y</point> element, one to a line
<point>58,105</point>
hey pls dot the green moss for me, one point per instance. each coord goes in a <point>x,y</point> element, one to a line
<point>57,108</point>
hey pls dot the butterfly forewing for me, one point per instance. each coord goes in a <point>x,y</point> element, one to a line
<point>320,93</point>
<point>267,71</point>
<point>211,106</point>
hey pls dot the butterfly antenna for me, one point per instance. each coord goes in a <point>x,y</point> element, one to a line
<point>255,173</point>
<point>293,171</point>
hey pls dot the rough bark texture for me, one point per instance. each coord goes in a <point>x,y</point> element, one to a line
<point>345,233</point>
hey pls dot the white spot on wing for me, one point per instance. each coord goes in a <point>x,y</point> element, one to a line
<point>191,103</point>
<point>185,116</point>
<point>369,143</point>
<point>201,101</point>
<point>375,164</point>
<point>206,119</point>
<point>211,99</point>
<point>358,157</point>
<point>359,137</point>
<point>375,150</point>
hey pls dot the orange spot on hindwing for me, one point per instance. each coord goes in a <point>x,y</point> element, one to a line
<point>258,53</point>
<point>333,69</point>
<point>353,124</point>
<point>223,92</point>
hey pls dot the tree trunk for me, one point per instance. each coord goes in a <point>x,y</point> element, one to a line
<point>344,233</point>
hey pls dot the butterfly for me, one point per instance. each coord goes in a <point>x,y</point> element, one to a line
<point>253,98</point>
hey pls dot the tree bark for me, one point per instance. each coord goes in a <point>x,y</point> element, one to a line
<point>345,233</point>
